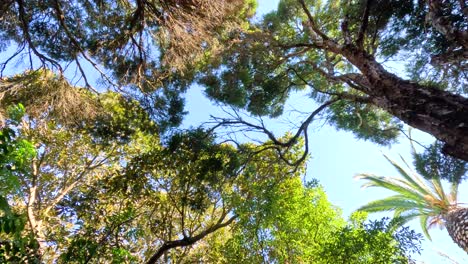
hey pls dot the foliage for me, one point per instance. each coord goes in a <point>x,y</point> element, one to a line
<point>142,43</point>
<point>333,51</point>
<point>15,156</point>
<point>111,191</point>
<point>284,223</point>
<point>415,198</point>
<point>102,177</point>
<point>365,121</point>
<point>15,152</point>
<point>438,61</point>
<point>105,183</point>
<point>177,190</point>
<point>71,158</point>
<point>289,223</point>
<point>15,247</point>
<point>379,241</point>
<point>433,163</point>
<point>149,50</point>
<point>42,91</point>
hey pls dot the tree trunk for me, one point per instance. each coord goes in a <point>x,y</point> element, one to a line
<point>35,224</point>
<point>439,113</point>
<point>457,227</point>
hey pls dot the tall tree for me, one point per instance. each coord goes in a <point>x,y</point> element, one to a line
<point>69,160</point>
<point>16,246</point>
<point>102,187</point>
<point>286,222</point>
<point>171,199</point>
<point>337,50</point>
<point>141,42</point>
<point>148,48</point>
<point>334,48</point>
<point>106,192</point>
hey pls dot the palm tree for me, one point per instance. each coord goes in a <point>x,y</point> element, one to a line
<point>419,197</point>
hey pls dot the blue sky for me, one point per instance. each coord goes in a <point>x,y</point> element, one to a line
<point>337,156</point>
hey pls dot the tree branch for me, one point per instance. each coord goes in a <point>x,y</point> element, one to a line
<point>187,241</point>
<point>312,23</point>
<point>25,26</point>
<point>36,225</point>
<point>364,24</point>
<point>278,144</point>
<point>77,45</point>
<point>16,53</point>
<point>443,25</point>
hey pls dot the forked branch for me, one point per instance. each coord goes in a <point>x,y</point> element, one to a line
<point>188,241</point>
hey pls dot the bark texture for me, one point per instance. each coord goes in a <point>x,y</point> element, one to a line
<point>457,227</point>
<point>439,113</point>
<point>35,224</point>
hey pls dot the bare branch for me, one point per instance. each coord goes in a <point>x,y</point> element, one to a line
<point>87,84</point>
<point>16,53</point>
<point>277,144</point>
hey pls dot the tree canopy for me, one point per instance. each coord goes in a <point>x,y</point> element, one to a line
<point>112,191</point>
<point>336,51</point>
<point>105,174</point>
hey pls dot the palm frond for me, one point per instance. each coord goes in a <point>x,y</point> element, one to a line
<point>416,197</point>
<point>453,196</point>
<point>423,220</point>
<point>398,203</point>
<point>415,181</point>
<point>391,184</point>
<point>405,218</point>
<point>439,189</point>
